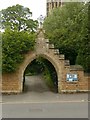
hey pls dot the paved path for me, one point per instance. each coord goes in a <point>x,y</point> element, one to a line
<point>35,84</point>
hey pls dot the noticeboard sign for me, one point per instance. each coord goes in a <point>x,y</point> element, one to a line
<point>71,77</point>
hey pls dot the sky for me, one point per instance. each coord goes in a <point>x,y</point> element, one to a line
<point>37,7</point>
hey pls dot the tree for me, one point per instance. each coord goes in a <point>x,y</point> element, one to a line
<point>67,28</point>
<point>83,57</point>
<point>14,45</point>
<point>18,18</point>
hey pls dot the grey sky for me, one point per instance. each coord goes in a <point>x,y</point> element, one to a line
<point>38,7</point>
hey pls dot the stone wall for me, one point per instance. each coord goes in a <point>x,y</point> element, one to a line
<point>10,83</point>
<point>77,86</point>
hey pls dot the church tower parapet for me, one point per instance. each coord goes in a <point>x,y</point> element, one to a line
<point>53,4</point>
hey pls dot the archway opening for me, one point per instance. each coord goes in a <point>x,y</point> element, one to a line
<point>40,76</point>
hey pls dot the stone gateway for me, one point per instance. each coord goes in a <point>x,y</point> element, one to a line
<point>70,78</point>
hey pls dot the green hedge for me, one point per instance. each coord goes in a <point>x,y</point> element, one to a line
<point>14,45</point>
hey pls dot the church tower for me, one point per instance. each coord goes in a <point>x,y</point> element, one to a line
<point>53,4</point>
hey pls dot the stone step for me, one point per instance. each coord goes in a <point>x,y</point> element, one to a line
<point>51,46</point>
<point>67,63</point>
<point>56,51</point>
<point>47,41</point>
<point>61,57</point>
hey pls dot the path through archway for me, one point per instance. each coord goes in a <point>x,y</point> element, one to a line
<point>40,76</point>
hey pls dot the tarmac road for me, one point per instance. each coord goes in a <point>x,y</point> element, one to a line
<point>46,110</point>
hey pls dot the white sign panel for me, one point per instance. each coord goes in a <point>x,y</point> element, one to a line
<point>71,77</point>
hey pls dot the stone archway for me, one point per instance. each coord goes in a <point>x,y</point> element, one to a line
<point>30,57</point>
<point>37,71</point>
<point>13,83</point>
<point>44,50</point>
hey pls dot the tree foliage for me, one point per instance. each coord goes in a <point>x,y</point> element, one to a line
<point>83,57</point>
<point>18,18</point>
<point>14,45</point>
<point>67,28</point>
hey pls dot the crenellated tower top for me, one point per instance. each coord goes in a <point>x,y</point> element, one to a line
<point>53,4</point>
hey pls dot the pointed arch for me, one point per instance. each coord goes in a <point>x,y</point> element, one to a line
<point>30,57</point>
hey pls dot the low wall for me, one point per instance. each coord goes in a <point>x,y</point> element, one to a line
<point>12,84</point>
<point>81,85</point>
